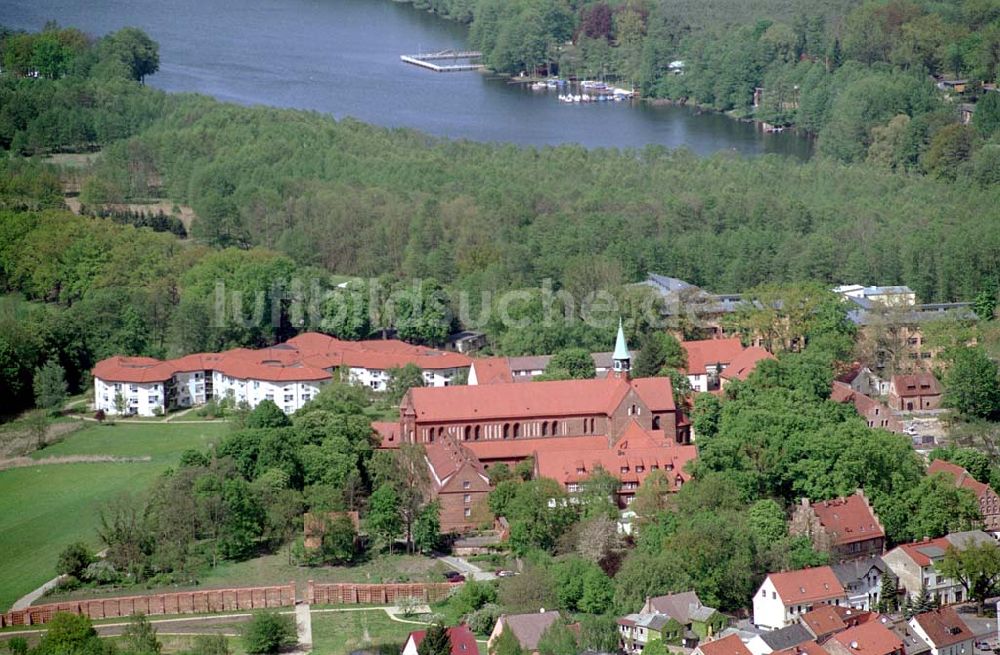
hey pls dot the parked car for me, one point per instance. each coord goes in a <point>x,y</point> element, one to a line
<point>454,576</point>
<point>982,645</point>
<point>501,573</point>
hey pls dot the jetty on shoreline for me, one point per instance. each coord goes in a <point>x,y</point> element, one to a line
<point>427,61</point>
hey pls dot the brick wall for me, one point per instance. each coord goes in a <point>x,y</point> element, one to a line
<point>185,602</point>
<point>376,594</point>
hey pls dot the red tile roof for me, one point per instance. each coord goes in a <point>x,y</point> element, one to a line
<point>745,363</point>
<point>848,519</point>
<point>709,352</point>
<point>805,648</point>
<point>807,585</point>
<point>463,642</point>
<point>307,357</point>
<point>538,399</point>
<point>731,645</point>
<point>631,466</point>
<point>943,627</point>
<point>388,433</point>
<point>871,638</point>
<point>492,370</point>
<point>962,477</point>
<point>918,550</point>
<point>520,448</point>
<point>918,384</point>
<point>823,620</point>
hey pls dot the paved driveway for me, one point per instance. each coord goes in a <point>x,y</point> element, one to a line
<point>466,568</point>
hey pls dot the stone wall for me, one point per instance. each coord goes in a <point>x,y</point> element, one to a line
<point>376,594</point>
<point>184,602</point>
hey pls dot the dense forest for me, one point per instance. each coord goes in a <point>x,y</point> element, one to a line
<point>857,75</point>
<point>281,195</point>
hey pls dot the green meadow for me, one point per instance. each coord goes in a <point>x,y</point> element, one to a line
<point>47,507</point>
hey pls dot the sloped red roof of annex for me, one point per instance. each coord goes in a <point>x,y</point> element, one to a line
<point>632,466</point>
<point>745,363</point>
<point>492,370</point>
<point>914,549</point>
<point>872,638</point>
<point>944,627</point>
<point>731,645</point>
<point>849,519</point>
<point>962,477</point>
<point>805,585</point>
<point>463,642</point>
<point>705,352</point>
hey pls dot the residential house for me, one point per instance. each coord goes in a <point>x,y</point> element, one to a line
<point>913,644</point>
<point>870,638</point>
<point>459,483</point>
<point>827,620</point>
<point>847,528</point>
<point>636,630</point>
<point>289,374</point>
<point>463,641</point>
<point>862,579</point>
<point>914,565</point>
<point>862,380</point>
<point>707,359</point>
<point>889,296</point>
<point>731,645</point>
<point>528,628</point>
<point>743,365</point>
<point>769,641</point>
<point>786,596</point>
<point>876,414</point>
<point>989,501</point>
<point>944,631</point>
<point>918,391</point>
<point>702,621</point>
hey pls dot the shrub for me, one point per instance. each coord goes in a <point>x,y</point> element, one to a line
<point>268,632</point>
<point>210,645</point>
<point>101,572</point>
<point>483,619</point>
<point>18,645</point>
<point>74,559</point>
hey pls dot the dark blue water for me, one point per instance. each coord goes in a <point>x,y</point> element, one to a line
<point>342,57</point>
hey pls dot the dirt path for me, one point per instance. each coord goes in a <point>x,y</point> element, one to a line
<point>22,462</point>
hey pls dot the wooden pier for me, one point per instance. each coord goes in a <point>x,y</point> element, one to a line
<point>427,61</point>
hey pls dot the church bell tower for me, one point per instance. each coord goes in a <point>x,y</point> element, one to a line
<point>621,359</point>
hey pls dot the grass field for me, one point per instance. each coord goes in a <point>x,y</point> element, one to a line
<point>49,507</point>
<point>339,633</point>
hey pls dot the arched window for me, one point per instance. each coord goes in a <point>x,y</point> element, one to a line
<point>506,430</point>
<point>468,432</point>
<point>476,434</point>
<point>555,428</point>
<point>545,428</point>
<point>440,432</point>
<point>517,430</point>
<point>656,422</point>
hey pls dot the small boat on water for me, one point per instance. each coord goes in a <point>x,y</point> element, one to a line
<point>539,86</point>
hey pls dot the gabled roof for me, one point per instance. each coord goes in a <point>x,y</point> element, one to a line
<point>528,628</point>
<point>913,644</point>
<point>463,642</point>
<point>539,399</point>
<point>807,585</point>
<point>805,648</point>
<point>446,458</point>
<point>731,645</point>
<point>850,572</point>
<point>872,638</point>
<point>823,620</point>
<point>684,606</point>
<point>923,553</point>
<point>786,637</point>
<point>745,363</point>
<point>848,519</point>
<point>962,477</point>
<point>492,370</point>
<point>631,466</point>
<point>917,384</point>
<point>709,352</point>
<point>943,627</point>
<point>388,433</point>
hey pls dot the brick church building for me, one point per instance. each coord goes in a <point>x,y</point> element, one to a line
<point>628,427</point>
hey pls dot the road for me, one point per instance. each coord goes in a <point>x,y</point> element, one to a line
<point>466,568</point>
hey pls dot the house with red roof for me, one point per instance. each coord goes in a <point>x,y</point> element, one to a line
<point>847,528</point>
<point>918,391</point>
<point>876,414</point>
<point>707,359</point>
<point>945,631</point>
<point>743,365</point>
<point>289,374</point>
<point>463,641</point>
<point>786,596</point>
<point>459,483</point>
<point>989,501</point>
<point>731,645</point>
<point>869,638</point>
<point>915,565</point>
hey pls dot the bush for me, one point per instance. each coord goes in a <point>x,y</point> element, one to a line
<point>74,559</point>
<point>483,619</point>
<point>268,632</point>
<point>18,645</point>
<point>101,572</point>
<point>210,645</point>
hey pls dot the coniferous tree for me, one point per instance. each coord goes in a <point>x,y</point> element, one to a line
<point>50,386</point>
<point>887,601</point>
<point>436,641</point>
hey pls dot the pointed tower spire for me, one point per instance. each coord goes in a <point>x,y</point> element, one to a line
<point>622,359</point>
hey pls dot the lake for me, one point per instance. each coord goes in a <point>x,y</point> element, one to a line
<point>341,57</point>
